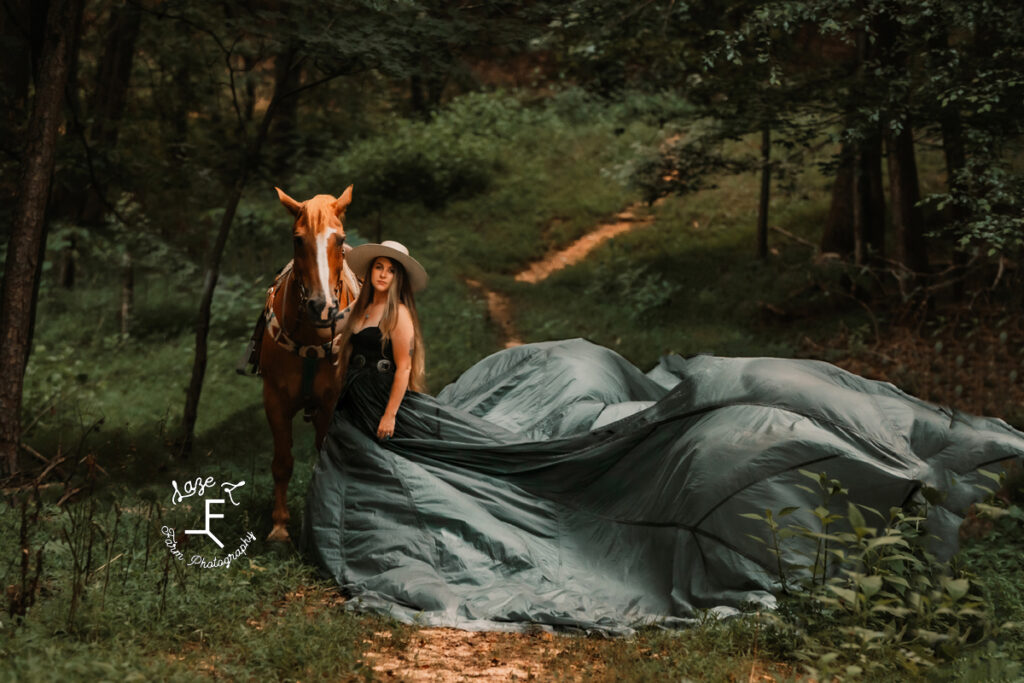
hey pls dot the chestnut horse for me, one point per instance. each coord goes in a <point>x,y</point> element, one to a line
<point>303,315</point>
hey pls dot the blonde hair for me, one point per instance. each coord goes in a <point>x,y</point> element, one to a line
<point>400,292</point>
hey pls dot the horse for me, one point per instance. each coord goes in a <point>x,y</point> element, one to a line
<point>301,318</point>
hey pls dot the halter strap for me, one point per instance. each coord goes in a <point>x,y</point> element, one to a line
<point>277,332</point>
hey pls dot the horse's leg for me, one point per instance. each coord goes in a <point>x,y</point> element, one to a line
<point>327,388</point>
<point>280,419</point>
<point>321,420</point>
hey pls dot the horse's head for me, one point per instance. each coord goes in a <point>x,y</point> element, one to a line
<point>319,240</point>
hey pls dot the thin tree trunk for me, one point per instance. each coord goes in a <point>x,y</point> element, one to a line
<point>872,194</point>
<point>66,276</point>
<point>907,219</point>
<point>195,387</point>
<point>766,181</point>
<point>281,142</point>
<point>856,220</point>
<point>249,161</point>
<point>956,160</point>
<point>417,101</point>
<point>838,234</point>
<point>113,77</point>
<point>858,209</point>
<point>29,218</point>
<point>127,293</point>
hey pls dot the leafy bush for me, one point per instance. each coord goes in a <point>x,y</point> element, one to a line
<point>451,156</point>
<point>868,596</point>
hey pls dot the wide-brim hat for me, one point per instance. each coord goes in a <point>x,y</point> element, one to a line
<point>360,258</point>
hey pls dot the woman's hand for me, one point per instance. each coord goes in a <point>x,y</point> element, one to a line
<point>386,428</point>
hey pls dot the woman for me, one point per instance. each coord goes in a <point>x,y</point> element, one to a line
<point>556,483</point>
<point>381,341</point>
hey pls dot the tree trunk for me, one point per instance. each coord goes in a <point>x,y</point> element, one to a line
<point>417,101</point>
<point>838,235</point>
<point>904,192</point>
<point>127,293</point>
<point>66,276</point>
<point>15,67</point>
<point>766,181</point>
<point>282,133</point>
<point>872,195</point>
<point>113,76</point>
<point>248,162</point>
<point>62,24</point>
<point>856,220</point>
<point>956,160</point>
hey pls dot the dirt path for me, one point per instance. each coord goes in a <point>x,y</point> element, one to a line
<point>445,654</point>
<point>498,305</point>
<point>500,310</point>
<point>577,251</point>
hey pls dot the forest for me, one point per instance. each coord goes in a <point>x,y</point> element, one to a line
<point>838,180</point>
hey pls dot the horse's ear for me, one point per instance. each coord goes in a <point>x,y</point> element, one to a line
<point>287,202</point>
<point>342,202</point>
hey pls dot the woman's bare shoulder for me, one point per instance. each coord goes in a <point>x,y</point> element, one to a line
<point>404,321</point>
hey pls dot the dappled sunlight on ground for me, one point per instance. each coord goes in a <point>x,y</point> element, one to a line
<point>445,654</point>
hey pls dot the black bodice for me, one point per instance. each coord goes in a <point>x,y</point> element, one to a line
<point>366,343</point>
<point>368,378</point>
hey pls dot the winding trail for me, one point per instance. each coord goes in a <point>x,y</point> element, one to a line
<point>499,307</point>
<point>577,251</point>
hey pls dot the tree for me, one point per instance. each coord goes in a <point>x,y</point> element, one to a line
<point>285,35</point>
<point>20,272</point>
<point>864,72</point>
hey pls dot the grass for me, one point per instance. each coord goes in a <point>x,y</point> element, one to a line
<point>688,283</point>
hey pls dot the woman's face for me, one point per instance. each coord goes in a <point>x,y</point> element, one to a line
<point>382,274</point>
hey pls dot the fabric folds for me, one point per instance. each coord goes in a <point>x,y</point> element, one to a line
<point>557,484</point>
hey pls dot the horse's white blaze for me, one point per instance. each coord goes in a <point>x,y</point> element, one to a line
<point>324,270</point>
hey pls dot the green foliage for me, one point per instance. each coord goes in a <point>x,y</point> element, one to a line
<point>687,166</point>
<point>431,163</point>
<point>869,595</point>
<point>640,292</point>
<point>465,146</point>
<point>990,196</point>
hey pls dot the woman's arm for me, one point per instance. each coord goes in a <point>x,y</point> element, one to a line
<point>401,346</point>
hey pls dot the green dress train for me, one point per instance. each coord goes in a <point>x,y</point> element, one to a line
<point>557,484</point>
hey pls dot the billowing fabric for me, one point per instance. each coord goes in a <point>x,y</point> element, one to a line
<point>557,484</point>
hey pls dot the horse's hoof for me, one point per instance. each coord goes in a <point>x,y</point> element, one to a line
<point>279,534</point>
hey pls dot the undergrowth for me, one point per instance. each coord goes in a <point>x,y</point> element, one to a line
<point>865,597</point>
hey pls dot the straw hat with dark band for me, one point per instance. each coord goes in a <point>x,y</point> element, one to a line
<point>360,258</point>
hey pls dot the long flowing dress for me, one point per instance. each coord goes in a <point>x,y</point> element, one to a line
<point>557,484</point>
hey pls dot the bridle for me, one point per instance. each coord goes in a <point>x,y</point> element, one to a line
<point>285,278</point>
<point>304,298</point>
